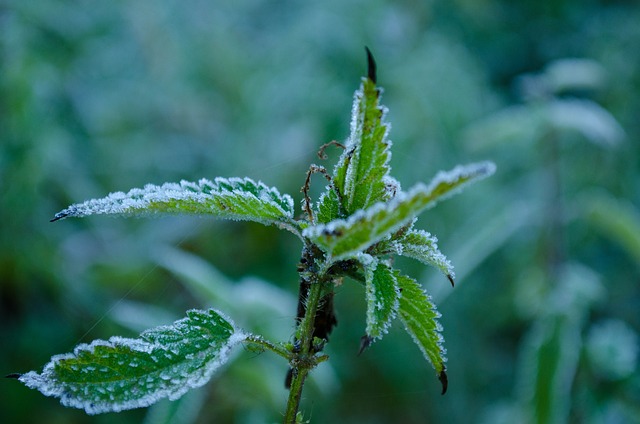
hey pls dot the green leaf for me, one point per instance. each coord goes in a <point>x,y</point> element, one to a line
<point>120,374</point>
<point>363,168</point>
<point>234,198</point>
<point>382,298</point>
<point>344,238</point>
<point>421,245</point>
<point>447,183</point>
<point>419,316</point>
<point>328,207</point>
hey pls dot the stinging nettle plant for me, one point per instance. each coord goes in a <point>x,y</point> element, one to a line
<point>358,224</point>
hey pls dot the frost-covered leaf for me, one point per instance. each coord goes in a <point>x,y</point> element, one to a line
<point>328,207</point>
<point>382,298</point>
<point>121,373</point>
<point>361,170</point>
<point>421,245</point>
<point>448,183</point>
<point>420,319</point>
<point>343,238</point>
<point>233,198</point>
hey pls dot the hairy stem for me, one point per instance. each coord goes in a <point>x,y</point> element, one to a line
<point>262,343</point>
<point>305,360</point>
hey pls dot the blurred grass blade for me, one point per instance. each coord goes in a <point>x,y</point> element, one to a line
<point>587,118</point>
<point>551,351</point>
<point>180,411</point>
<point>419,316</point>
<point>616,219</point>
<point>120,374</point>
<point>233,198</point>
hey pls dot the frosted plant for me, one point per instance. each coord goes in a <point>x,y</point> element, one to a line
<point>360,221</point>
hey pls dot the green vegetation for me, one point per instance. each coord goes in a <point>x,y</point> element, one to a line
<point>543,322</point>
<point>364,218</point>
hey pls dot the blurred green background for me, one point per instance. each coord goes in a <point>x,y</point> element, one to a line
<point>543,325</point>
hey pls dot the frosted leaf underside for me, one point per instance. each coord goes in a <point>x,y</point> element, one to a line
<point>233,198</point>
<point>382,298</point>
<point>420,319</point>
<point>422,246</point>
<point>120,374</point>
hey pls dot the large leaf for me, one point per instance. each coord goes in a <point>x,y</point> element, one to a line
<point>420,319</point>
<point>343,238</point>
<point>421,245</point>
<point>364,165</point>
<point>382,299</point>
<point>119,374</point>
<point>234,198</point>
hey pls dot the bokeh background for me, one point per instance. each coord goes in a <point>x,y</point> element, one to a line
<point>543,324</point>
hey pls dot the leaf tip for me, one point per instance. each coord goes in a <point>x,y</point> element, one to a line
<point>442,376</point>
<point>371,66</point>
<point>14,376</point>
<point>451,280</point>
<point>365,342</point>
<point>58,216</point>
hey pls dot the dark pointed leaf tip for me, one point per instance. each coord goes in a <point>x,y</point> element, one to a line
<point>453,283</point>
<point>15,376</point>
<point>58,216</point>
<point>371,67</point>
<point>443,380</point>
<point>365,342</point>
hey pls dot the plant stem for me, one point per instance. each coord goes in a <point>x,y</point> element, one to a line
<point>304,361</point>
<point>266,344</point>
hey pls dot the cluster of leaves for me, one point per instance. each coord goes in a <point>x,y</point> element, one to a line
<point>360,221</point>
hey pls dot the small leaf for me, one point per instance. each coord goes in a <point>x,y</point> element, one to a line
<point>382,296</point>
<point>328,207</point>
<point>234,198</point>
<point>419,317</point>
<point>421,245</point>
<point>361,170</point>
<point>120,374</point>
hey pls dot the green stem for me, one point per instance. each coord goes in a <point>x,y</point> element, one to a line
<point>266,344</point>
<point>304,361</point>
